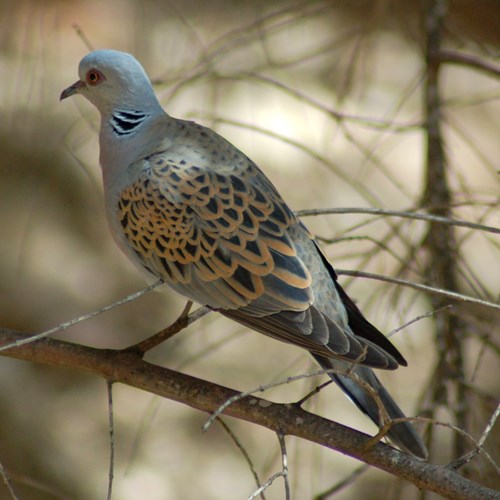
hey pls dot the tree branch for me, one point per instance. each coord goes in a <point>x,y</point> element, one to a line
<point>441,242</point>
<point>469,60</point>
<point>127,367</point>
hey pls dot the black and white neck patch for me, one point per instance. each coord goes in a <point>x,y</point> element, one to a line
<point>125,122</point>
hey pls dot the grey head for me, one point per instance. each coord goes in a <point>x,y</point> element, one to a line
<point>114,81</point>
<point>117,85</point>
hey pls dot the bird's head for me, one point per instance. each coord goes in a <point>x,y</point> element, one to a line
<point>113,80</point>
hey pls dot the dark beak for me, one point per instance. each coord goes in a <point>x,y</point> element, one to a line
<point>72,90</point>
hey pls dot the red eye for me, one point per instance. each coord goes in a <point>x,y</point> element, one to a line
<point>94,77</point>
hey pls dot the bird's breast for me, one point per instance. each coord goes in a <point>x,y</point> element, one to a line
<point>160,228</point>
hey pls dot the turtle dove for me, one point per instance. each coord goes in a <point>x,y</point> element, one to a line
<point>190,208</point>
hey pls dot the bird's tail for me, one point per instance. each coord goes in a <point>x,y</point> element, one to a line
<point>402,434</point>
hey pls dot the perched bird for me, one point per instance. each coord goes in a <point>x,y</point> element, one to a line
<point>190,208</point>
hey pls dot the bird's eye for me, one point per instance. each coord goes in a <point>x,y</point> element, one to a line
<point>94,77</point>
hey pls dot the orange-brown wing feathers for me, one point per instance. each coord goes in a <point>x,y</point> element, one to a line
<point>189,224</point>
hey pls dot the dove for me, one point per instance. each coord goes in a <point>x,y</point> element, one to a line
<point>188,207</point>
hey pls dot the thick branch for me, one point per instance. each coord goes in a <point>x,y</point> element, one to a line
<point>127,367</point>
<point>440,241</point>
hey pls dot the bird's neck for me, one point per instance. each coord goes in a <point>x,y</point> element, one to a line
<point>125,122</point>
<point>126,136</point>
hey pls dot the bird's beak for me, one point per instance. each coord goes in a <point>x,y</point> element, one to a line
<point>72,90</point>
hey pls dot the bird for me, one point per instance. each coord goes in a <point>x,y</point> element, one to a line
<point>191,209</point>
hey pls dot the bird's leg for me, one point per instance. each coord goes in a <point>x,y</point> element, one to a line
<point>179,324</point>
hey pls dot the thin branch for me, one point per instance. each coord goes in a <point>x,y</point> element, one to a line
<point>7,482</point>
<point>266,485</point>
<point>489,425</point>
<point>261,388</point>
<point>312,153</point>
<point>460,462</point>
<point>183,321</point>
<point>284,464</point>
<point>402,260</point>
<point>83,37</point>
<point>469,60</point>
<point>312,393</point>
<point>419,318</point>
<point>418,286</point>
<point>36,486</point>
<point>283,473</point>
<point>64,326</point>
<point>244,452</point>
<point>338,116</point>
<point>398,213</point>
<point>337,487</point>
<point>459,431</point>
<point>111,424</point>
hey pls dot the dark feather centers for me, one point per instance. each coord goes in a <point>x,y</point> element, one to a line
<point>191,224</point>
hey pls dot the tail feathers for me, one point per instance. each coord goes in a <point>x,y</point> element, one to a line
<point>403,434</point>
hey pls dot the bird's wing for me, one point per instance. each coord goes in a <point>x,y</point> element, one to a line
<point>217,234</point>
<point>226,239</point>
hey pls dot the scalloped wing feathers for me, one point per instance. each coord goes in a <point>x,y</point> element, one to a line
<point>217,231</point>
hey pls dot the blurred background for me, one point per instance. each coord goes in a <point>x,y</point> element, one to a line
<point>327,98</point>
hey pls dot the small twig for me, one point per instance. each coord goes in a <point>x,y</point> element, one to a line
<point>312,393</point>
<point>460,462</point>
<point>458,430</point>
<point>183,321</point>
<point>283,473</point>
<point>311,152</point>
<point>453,57</point>
<point>489,425</point>
<point>337,487</point>
<point>83,37</point>
<point>378,245</point>
<point>64,326</point>
<point>148,414</point>
<point>111,439</point>
<point>478,363</point>
<point>418,318</point>
<point>384,417</point>
<point>418,286</point>
<point>385,425</point>
<point>206,351</point>
<point>8,483</point>
<point>247,458</point>
<point>260,388</point>
<point>357,361</point>
<point>43,490</point>
<point>397,213</point>
<point>284,464</point>
<point>367,121</point>
<point>265,485</point>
